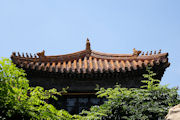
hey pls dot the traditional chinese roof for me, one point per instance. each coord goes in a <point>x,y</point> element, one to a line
<point>90,61</point>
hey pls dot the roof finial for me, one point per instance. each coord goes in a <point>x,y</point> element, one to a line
<point>150,53</point>
<point>41,54</point>
<point>88,45</point>
<point>142,53</point>
<point>159,51</point>
<point>154,52</point>
<point>136,52</point>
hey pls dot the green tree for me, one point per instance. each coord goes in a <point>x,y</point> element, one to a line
<point>151,103</point>
<point>20,101</point>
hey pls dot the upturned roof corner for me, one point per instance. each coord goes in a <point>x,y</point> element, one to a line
<point>41,54</point>
<point>136,52</point>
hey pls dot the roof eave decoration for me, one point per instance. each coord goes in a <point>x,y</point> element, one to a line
<point>136,52</point>
<point>41,54</point>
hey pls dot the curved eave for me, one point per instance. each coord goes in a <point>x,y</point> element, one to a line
<point>82,54</point>
<point>89,62</point>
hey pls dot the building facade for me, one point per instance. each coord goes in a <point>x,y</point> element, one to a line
<point>82,71</point>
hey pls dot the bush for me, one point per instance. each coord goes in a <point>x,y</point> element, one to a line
<point>151,103</point>
<point>20,101</point>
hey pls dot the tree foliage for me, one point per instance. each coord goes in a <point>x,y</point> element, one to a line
<point>20,101</point>
<point>151,103</point>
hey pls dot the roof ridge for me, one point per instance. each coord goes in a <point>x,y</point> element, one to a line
<point>110,54</point>
<point>83,53</point>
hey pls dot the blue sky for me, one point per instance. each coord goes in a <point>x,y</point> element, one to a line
<point>113,26</point>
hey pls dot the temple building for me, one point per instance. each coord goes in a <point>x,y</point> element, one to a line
<point>82,71</point>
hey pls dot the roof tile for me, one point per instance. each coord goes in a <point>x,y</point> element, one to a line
<point>89,61</point>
